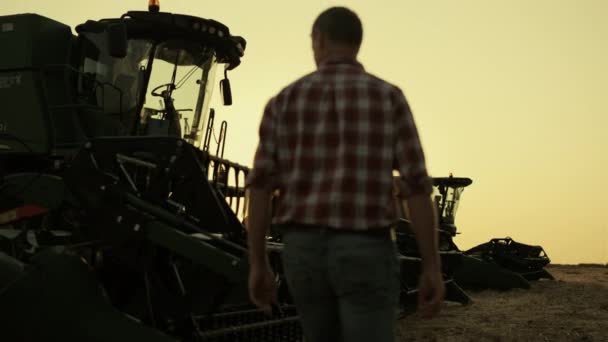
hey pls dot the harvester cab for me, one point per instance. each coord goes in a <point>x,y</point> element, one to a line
<point>447,197</point>
<point>117,77</point>
<point>169,58</point>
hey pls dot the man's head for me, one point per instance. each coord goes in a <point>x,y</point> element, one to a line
<point>336,34</point>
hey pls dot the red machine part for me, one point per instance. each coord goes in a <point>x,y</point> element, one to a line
<point>22,212</point>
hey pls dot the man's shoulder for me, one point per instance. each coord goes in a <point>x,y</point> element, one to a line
<point>379,82</point>
<point>317,76</point>
<point>300,82</point>
<point>287,90</point>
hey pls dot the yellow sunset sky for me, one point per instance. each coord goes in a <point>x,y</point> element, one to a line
<point>512,94</point>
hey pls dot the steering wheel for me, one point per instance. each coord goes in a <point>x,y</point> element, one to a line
<point>155,90</point>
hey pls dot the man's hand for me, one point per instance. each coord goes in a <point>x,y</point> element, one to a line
<point>431,291</point>
<point>262,287</point>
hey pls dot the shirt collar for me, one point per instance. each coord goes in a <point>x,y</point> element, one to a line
<point>349,61</point>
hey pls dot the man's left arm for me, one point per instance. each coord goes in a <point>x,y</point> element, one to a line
<point>261,182</point>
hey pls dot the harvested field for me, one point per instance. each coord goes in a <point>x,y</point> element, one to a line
<point>574,307</point>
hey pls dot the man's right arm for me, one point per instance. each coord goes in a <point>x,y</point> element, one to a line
<point>416,188</point>
<point>431,289</point>
<point>414,185</point>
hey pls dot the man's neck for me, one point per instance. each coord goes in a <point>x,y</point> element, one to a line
<point>339,57</point>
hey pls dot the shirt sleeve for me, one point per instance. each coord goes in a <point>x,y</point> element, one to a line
<point>409,157</point>
<point>264,171</point>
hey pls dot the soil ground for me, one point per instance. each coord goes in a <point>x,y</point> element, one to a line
<point>573,307</point>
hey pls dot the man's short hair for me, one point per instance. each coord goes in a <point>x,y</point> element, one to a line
<point>341,25</point>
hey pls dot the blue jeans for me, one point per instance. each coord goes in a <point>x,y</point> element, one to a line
<point>345,285</point>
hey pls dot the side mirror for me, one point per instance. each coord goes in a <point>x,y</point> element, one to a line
<point>116,35</point>
<point>226,90</point>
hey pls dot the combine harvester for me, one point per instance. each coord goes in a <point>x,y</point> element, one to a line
<point>116,222</point>
<point>500,263</point>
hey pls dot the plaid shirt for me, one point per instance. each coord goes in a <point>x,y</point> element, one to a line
<point>329,143</point>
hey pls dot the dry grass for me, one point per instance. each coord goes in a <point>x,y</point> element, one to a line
<point>574,307</point>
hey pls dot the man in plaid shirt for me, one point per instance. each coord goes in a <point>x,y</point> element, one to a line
<point>329,143</point>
